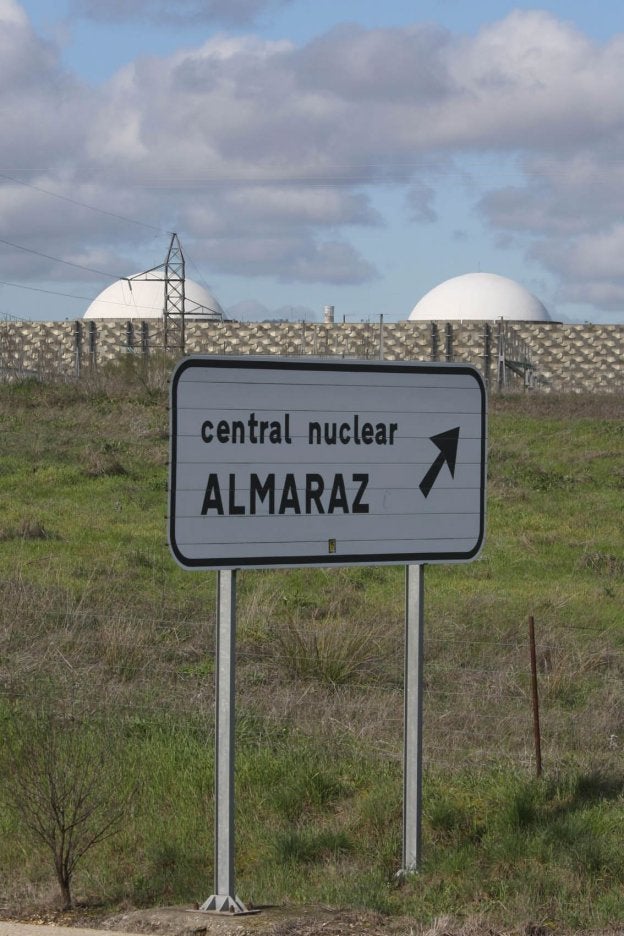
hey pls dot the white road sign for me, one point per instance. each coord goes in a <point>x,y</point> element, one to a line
<point>302,462</point>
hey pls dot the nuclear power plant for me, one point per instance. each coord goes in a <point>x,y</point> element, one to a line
<point>475,297</point>
<point>481,318</point>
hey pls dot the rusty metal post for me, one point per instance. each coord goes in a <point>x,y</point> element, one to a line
<point>535,698</point>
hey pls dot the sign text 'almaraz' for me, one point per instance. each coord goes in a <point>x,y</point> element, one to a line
<point>280,462</point>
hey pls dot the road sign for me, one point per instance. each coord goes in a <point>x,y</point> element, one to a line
<point>303,462</point>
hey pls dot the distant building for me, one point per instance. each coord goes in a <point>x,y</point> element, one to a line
<point>482,297</point>
<point>143,297</point>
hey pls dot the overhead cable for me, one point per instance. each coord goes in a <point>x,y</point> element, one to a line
<point>55,292</point>
<point>74,201</point>
<point>78,266</point>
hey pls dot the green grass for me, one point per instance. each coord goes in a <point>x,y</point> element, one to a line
<point>94,611</point>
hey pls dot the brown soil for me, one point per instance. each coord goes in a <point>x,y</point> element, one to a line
<point>272,921</point>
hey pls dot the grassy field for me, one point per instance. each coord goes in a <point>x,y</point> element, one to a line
<point>101,630</point>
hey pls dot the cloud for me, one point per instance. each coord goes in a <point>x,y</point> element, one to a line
<point>588,265</point>
<point>562,195</point>
<point>267,154</point>
<point>12,14</point>
<point>399,65</point>
<point>567,215</point>
<point>41,105</point>
<point>185,12</point>
<point>420,200</point>
<point>292,258</point>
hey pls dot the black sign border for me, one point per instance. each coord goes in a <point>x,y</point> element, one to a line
<point>290,364</point>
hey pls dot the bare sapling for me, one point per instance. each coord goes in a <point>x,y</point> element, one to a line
<point>59,778</point>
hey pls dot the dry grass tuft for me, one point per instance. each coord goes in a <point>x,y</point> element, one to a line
<point>32,530</point>
<point>98,463</point>
<point>332,649</point>
<point>603,564</point>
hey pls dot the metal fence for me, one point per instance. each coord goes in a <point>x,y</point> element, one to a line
<point>511,356</point>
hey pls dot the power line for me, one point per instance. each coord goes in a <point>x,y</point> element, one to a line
<point>78,266</point>
<point>74,201</point>
<point>199,275</point>
<point>50,292</point>
<point>54,292</point>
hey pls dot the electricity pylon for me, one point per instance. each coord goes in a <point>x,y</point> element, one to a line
<point>174,301</point>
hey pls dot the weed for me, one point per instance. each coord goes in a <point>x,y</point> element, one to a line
<point>166,870</point>
<point>331,649</point>
<point>603,564</point>
<point>102,462</point>
<point>306,847</point>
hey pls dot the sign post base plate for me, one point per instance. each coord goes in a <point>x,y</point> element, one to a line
<point>223,903</point>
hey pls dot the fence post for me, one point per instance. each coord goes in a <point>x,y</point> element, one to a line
<point>435,341</point>
<point>535,697</point>
<point>78,347</point>
<point>501,371</point>
<point>448,350</point>
<point>487,352</point>
<point>92,344</point>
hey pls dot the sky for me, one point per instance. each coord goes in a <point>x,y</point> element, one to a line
<point>353,153</point>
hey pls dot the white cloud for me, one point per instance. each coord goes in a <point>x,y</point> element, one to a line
<point>568,215</point>
<point>266,152</point>
<point>12,14</point>
<point>291,258</point>
<point>388,65</point>
<point>287,206</point>
<point>589,265</point>
<point>41,105</point>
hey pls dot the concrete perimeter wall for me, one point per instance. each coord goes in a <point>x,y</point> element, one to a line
<point>562,357</point>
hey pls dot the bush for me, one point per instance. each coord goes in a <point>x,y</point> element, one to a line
<point>57,778</point>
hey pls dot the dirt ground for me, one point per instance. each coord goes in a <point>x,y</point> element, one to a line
<point>269,921</point>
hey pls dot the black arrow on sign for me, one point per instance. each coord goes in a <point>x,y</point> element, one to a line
<point>447,443</point>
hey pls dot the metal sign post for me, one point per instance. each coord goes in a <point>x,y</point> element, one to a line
<point>413,720</point>
<point>224,899</point>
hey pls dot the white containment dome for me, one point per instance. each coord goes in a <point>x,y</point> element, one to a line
<point>479,296</point>
<point>144,298</point>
